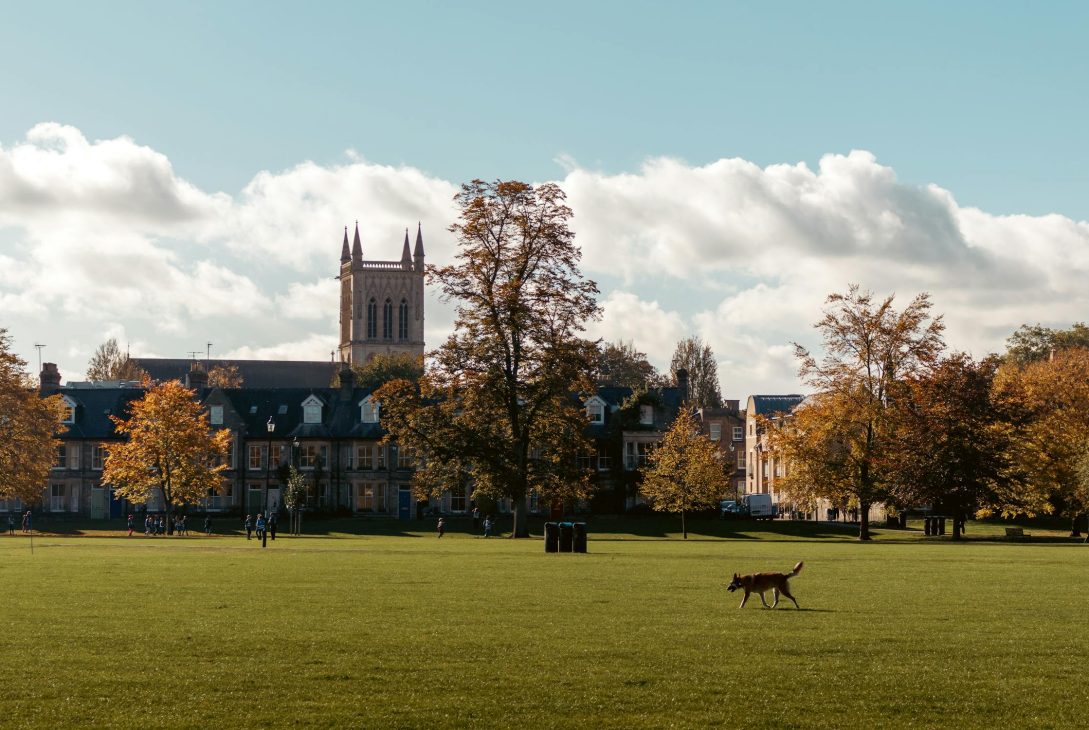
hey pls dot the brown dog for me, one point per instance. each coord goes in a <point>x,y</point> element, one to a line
<point>760,582</point>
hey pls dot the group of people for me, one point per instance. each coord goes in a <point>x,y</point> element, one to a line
<point>156,525</point>
<point>11,522</point>
<point>260,524</point>
<point>489,524</point>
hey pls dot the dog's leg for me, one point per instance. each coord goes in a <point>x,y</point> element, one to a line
<point>763,601</point>
<point>775,596</point>
<point>744,599</point>
<point>786,592</point>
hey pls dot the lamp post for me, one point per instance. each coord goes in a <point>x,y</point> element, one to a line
<point>271,426</point>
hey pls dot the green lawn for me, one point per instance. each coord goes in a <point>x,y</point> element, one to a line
<point>400,629</point>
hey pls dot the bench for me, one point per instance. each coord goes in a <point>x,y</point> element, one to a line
<point>1016,533</point>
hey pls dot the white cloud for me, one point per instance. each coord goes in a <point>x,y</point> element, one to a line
<point>96,233</point>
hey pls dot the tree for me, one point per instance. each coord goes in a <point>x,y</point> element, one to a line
<point>1032,343</point>
<point>952,442</point>
<point>835,445</point>
<point>496,407</point>
<point>170,450</point>
<point>382,369</point>
<point>28,426</point>
<point>1050,399</point>
<point>696,357</point>
<point>224,376</point>
<point>686,471</point>
<point>109,363</point>
<point>294,497</point>
<point>620,364</point>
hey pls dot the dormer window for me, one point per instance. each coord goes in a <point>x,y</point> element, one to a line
<point>215,415</point>
<point>69,410</point>
<point>312,409</point>
<point>369,410</point>
<point>646,415</point>
<point>595,410</point>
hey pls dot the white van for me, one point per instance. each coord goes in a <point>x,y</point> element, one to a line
<point>759,506</point>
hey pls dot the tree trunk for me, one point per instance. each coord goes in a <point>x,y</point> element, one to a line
<point>958,514</point>
<point>520,526</point>
<point>1075,522</point>
<point>863,521</point>
<point>684,526</point>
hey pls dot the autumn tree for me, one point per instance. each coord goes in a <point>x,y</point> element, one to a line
<point>224,376</point>
<point>28,428</point>
<point>686,471</point>
<point>109,363</point>
<point>952,444</point>
<point>169,450</point>
<point>381,369</point>
<point>496,406</point>
<point>620,364</point>
<point>836,444</point>
<point>1050,398</point>
<point>693,355</point>
<point>1032,343</point>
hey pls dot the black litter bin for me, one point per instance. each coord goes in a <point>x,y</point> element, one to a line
<point>580,537</point>
<point>926,526</point>
<point>552,537</point>
<point>567,536</point>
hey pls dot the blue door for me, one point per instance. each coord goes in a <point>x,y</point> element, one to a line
<point>404,504</point>
<point>117,506</point>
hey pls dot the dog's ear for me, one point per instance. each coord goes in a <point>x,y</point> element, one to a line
<point>735,576</point>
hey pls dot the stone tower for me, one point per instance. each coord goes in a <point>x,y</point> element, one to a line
<point>381,302</point>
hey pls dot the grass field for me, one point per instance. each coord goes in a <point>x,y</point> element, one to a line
<point>400,629</point>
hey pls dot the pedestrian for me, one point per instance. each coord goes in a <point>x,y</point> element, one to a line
<point>131,524</point>
<point>11,524</point>
<point>147,525</point>
<point>476,519</point>
<point>249,526</point>
<point>272,523</point>
<point>488,526</point>
<point>180,526</point>
<point>442,526</point>
<point>207,524</point>
<point>260,526</point>
<point>26,521</point>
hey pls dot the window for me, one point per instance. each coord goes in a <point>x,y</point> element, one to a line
<point>646,415</point>
<point>308,456</point>
<point>56,498</point>
<point>380,498</point>
<point>98,456</point>
<point>739,433</point>
<point>372,319</point>
<point>369,410</point>
<point>595,411</point>
<point>603,460</point>
<point>716,431</point>
<point>312,409</point>
<point>402,320</point>
<point>637,454</point>
<point>364,497</point>
<point>364,457</point>
<point>750,429</point>
<point>381,459</point>
<point>764,468</point>
<point>404,458</point>
<point>585,461</point>
<point>62,457</point>
<point>741,460</point>
<point>215,415</point>
<point>69,410</point>
<point>255,456</point>
<point>778,468</point>
<point>457,500</point>
<point>387,320</point>
<point>279,455</point>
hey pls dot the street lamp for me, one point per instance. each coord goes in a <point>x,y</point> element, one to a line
<point>271,426</point>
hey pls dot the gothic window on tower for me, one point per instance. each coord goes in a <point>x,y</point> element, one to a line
<point>372,318</point>
<point>402,320</point>
<point>387,320</point>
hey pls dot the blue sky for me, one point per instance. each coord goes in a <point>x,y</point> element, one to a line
<point>986,101</point>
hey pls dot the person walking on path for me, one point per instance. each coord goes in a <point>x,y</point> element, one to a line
<point>476,519</point>
<point>272,525</point>
<point>442,526</point>
<point>131,523</point>
<point>249,526</point>
<point>488,526</point>
<point>207,524</point>
<point>11,524</point>
<point>260,526</point>
<point>26,521</point>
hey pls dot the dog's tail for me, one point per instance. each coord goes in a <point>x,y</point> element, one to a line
<point>797,569</point>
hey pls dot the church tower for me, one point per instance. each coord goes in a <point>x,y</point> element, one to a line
<point>381,302</point>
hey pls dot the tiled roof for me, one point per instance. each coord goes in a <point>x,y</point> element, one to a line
<point>764,404</point>
<point>254,373</point>
<point>94,408</point>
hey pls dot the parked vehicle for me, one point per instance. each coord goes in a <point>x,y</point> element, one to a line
<point>759,506</point>
<point>729,508</point>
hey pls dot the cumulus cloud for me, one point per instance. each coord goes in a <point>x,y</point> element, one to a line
<point>93,233</point>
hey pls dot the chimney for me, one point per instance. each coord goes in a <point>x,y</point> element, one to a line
<point>347,381</point>
<point>50,379</point>
<point>197,379</point>
<point>682,383</point>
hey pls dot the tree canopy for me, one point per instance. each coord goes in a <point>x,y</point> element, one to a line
<point>109,363</point>
<point>169,449</point>
<point>620,364</point>
<point>496,407</point>
<point>686,470</point>
<point>382,369</point>
<point>28,426</point>
<point>1032,343</point>
<point>693,355</point>
<point>224,376</point>
<point>836,444</point>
